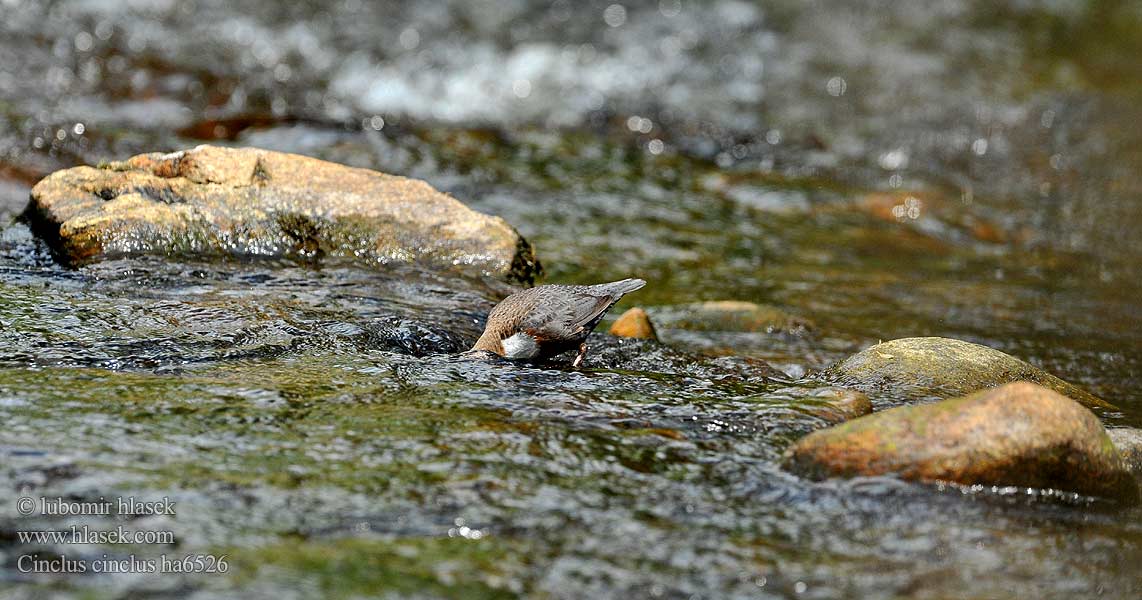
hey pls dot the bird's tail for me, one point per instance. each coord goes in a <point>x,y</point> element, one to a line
<point>626,286</point>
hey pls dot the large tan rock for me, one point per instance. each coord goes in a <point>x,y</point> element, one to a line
<point>1018,434</point>
<point>935,367</point>
<point>218,201</point>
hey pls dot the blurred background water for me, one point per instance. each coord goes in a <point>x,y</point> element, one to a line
<point>955,168</point>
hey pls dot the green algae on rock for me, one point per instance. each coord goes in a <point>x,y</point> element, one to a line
<point>926,367</point>
<point>1018,434</point>
<point>215,201</point>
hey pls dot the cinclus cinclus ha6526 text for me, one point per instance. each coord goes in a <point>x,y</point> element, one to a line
<point>547,320</point>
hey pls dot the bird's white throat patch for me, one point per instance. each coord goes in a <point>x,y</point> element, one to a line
<point>520,345</point>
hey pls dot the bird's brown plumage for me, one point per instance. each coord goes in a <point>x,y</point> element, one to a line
<point>557,317</point>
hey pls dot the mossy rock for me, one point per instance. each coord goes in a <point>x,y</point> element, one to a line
<point>214,201</point>
<point>935,367</point>
<point>1019,434</point>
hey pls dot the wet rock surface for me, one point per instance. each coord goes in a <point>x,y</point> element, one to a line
<point>920,368</point>
<point>634,323</point>
<point>833,404</point>
<point>1129,443</point>
<point>1019,434</point>
<point>245,202</point>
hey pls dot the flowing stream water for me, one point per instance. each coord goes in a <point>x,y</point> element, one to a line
<point>881,170</point>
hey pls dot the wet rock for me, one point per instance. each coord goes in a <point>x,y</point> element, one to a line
<point>634,323</point>
<point>628,354</point>
<point>936,214</point>
<point>934,367</point>
<point>1018,434</point>
<point>837,405</point>
<point>1129,443</point>
<point>247,202</point>
<point>730,315</point>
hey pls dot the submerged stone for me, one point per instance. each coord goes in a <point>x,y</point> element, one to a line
<point>927,367</point>
<point>837,405</point>
<point>634,323</point>
<point>214,201</point>
<point>1129,443</point>
<point>1018,434</point>
<point>730,315</point>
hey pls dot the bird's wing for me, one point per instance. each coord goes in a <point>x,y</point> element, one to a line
<point>559,319</point>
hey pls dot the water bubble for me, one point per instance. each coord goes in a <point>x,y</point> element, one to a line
<point>895,181</point>
<point>655,146</point>
<point>521,88</point>
<point>836,87</point>
<point>893,159</point>
<point>103,30</point>
<point>1047,119</point>
<point>83,41</point>
<point>376,122</point>
<point>800,587</point>
<point>979,146</point>
<point>38,143</point>
<point>61,135</point>
<point>409,38</point>
<point>773,137</point>
<point>279,106</point>
<point>913,206</point>
<point>639,124</point>
<point>282,72</point>
<point>670,8</point>
<point>78,129</point>
<point>615,15</point>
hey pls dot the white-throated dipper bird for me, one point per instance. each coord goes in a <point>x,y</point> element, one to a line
<point>547,320</point>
